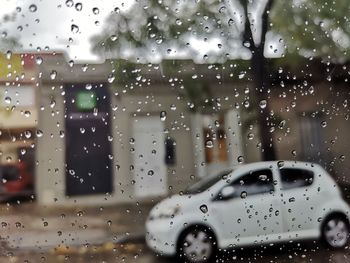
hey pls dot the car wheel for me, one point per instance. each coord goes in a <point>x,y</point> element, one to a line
<point>197,245</point>
<point>335,232</point>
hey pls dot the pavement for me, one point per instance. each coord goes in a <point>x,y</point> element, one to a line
<point>28,226</point>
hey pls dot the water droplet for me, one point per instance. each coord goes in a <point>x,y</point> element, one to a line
<point>53,74</point>
<point>173,107</point>
<point>39,133</point>
<point>243,194</point>
<point>323,124</point>
<point>114,37</point>
<point>250,136</point>
<point>163,115</point>
<point>311,90</point>
<point>263,177</point>
<point>150,172</point>
<point>27,113</point>
<point>263,104</point>
<point>96,11</point>
<point>282,124</point>
<point>230,22</point>
<point>111,78</point>
<point>78,6</point>
<point>240,159</point>
<point>8,100</point>
<point>39,60</point>
<point>80,213</point>
<point>27,134</point>
<point>178,22</point>
<point>52,103</point>
<point>209,144</point>
<point>204,208</point>
<point>69,3</point>
<point>280,164</point>
<point>222,9</point>
<point>246,103</point>
<point>33,8</point>
<point>241,75</point>
<point>88,86</point>
<point>74,28</point>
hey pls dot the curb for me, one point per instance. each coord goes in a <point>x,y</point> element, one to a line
<point>123,241</point>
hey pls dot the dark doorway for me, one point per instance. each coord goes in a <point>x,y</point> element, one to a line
<point>88,148</point>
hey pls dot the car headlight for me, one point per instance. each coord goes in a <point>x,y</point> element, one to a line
<point>166,213</point>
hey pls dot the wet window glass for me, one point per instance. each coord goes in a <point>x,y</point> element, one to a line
<point>123,125</point>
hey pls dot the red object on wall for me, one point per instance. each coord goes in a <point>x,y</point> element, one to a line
<point>15,178</point>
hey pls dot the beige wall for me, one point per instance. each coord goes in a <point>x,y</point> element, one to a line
<point>329,103</point>
<point>51,147</point>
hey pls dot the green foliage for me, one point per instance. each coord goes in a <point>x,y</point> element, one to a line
<point>9,43</point>
<point>313,28</point>
<point>307,27</point>
<point>155,27</point>
<point>124,70</point>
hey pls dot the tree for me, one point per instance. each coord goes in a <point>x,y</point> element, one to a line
<point>155,27</point>
<point>8,42</point>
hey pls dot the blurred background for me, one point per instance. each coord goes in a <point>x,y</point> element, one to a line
<point>108,107</point>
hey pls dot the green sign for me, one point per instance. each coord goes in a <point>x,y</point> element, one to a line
<point>86,100</point>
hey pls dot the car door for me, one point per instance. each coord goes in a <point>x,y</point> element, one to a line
<point>299,199</point>
<point>252,213</point>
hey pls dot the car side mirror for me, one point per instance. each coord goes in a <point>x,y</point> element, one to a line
<point>227,192</point>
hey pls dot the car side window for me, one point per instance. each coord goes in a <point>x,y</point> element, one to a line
<point>252,183</point>
<point>294,178</point>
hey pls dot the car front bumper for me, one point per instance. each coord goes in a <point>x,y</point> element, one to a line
<point>161,236</point>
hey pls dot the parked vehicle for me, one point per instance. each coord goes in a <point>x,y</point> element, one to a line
<point>258,203</point>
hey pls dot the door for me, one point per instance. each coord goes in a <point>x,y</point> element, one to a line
<point>299,200</point>
<point>251,214</point>
<point>88,150</point>
<point>149,157</point>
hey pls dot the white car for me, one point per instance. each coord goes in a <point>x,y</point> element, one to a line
<point>258,203</point>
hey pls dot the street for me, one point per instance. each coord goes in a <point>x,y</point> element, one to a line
<point>301,252</point>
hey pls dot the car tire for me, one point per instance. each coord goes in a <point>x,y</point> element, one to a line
<point>335,232</point>
<point>197,244</point>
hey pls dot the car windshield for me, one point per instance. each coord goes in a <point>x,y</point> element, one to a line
<point>206,183</point>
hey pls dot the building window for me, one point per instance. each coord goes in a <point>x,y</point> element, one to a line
<point>214,139</point>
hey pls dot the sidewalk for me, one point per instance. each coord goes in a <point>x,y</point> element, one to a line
<point>29,226</point>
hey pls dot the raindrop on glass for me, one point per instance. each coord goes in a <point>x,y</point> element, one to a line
<point>204,208</point>
<point>33,8</point>
<point>163,115</point>
<point>78,6</point>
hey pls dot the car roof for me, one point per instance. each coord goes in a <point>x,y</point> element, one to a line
<point>280,163</point>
